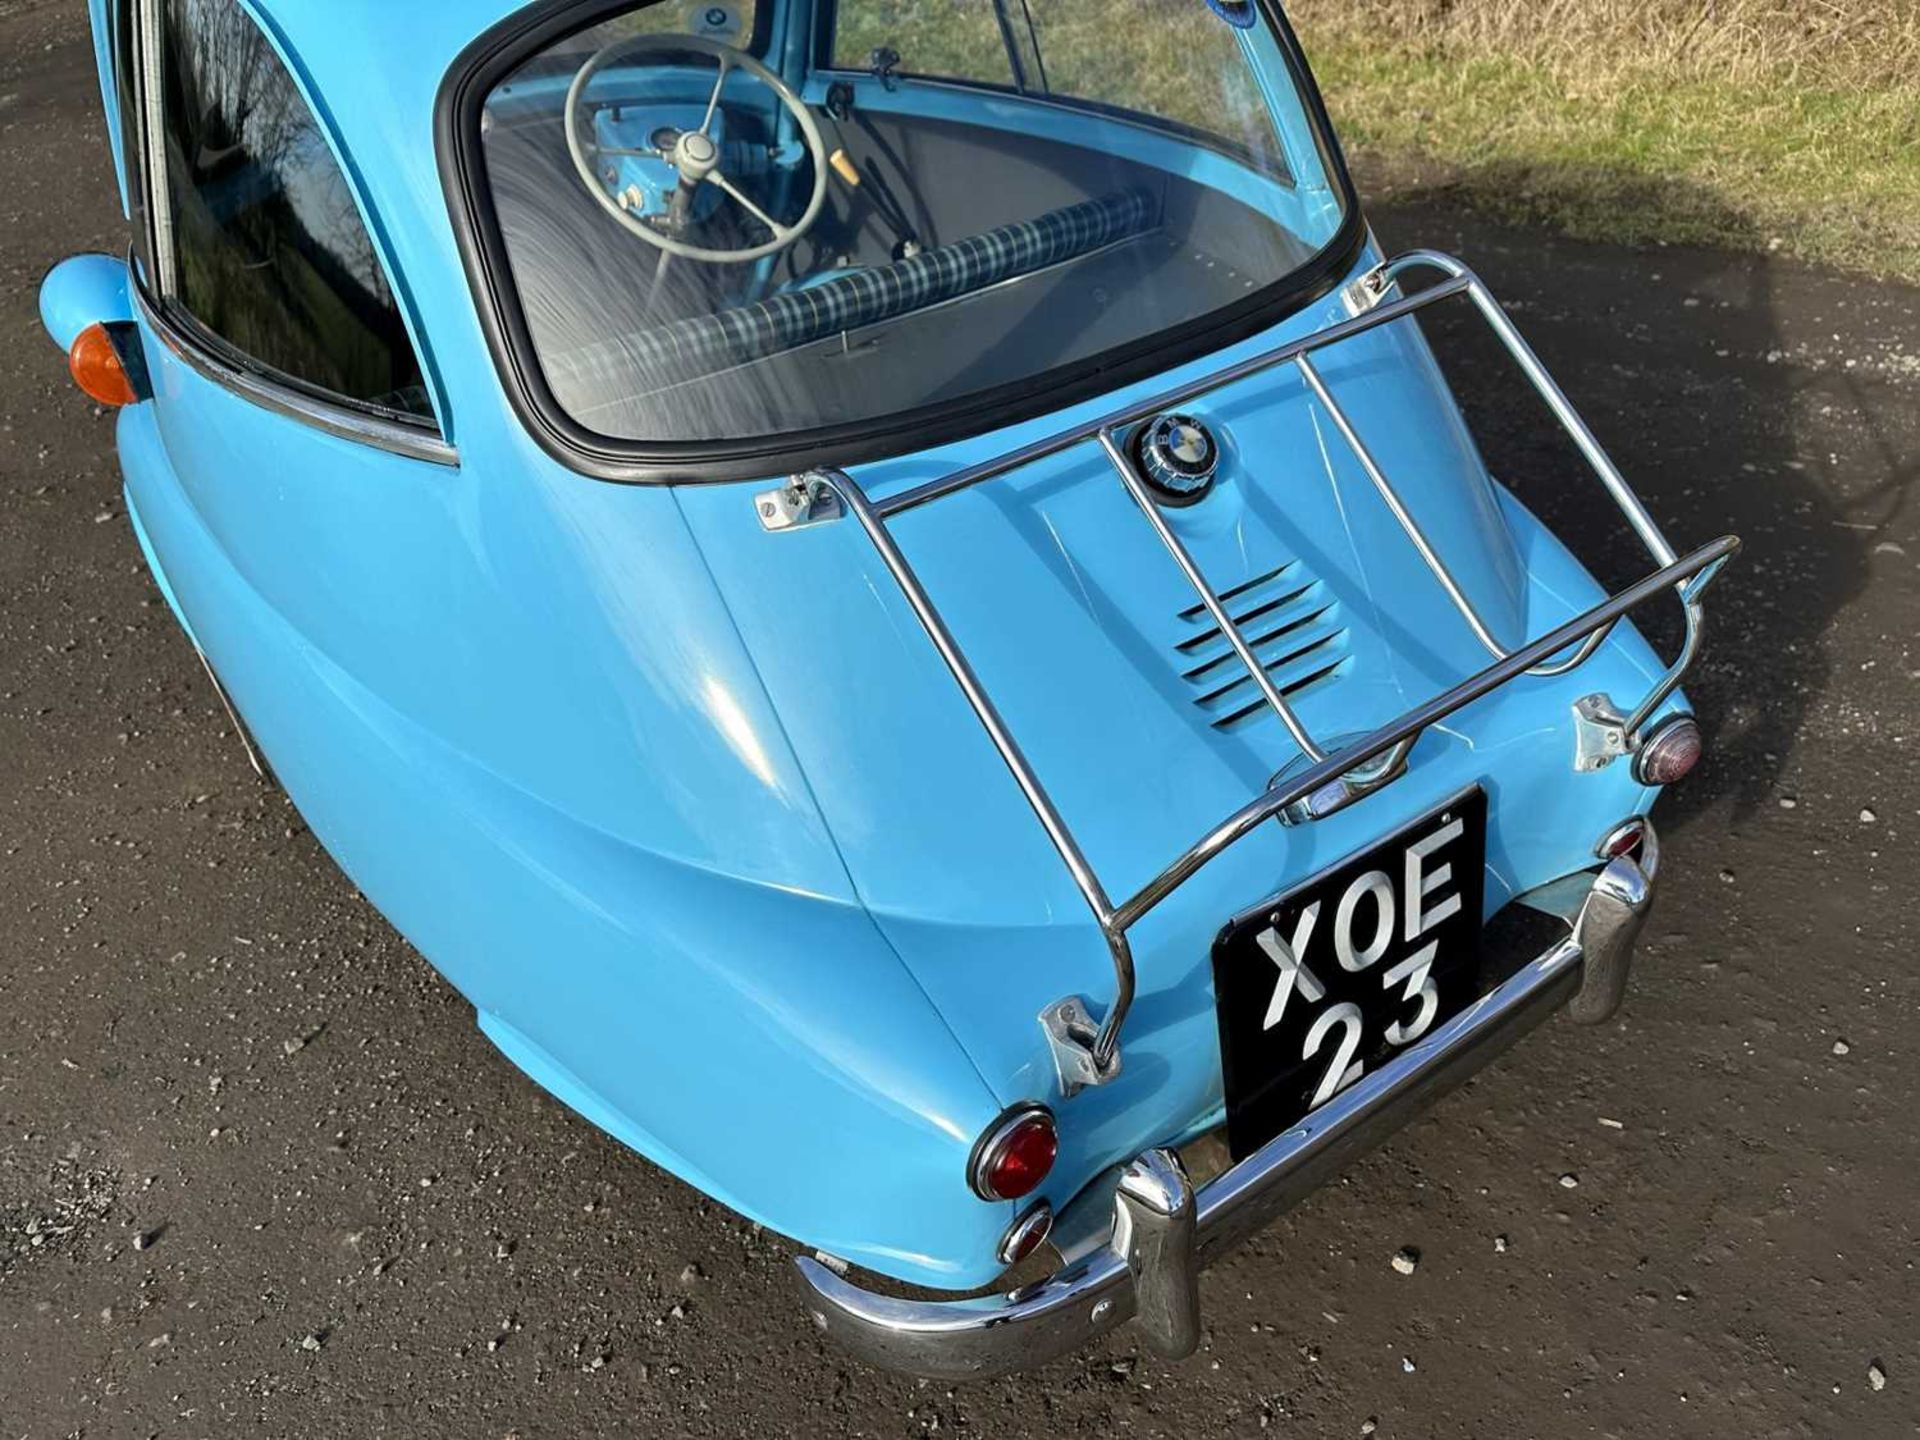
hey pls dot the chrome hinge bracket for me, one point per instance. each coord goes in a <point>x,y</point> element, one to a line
<point>1071,1031</point>
<point>803,500</point>
<point>1599,733</point>
<point>1366,292</point>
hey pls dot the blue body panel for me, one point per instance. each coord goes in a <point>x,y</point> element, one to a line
<point>83,290</point>
<point>97,15</point>
<point>1067,605</point>
<point>703,985</point>
<point>693,813</point>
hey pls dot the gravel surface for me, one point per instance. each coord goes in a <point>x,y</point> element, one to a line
<point>260,1174</point>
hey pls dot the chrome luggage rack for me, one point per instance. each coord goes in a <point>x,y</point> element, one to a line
<point>1087,1053</point>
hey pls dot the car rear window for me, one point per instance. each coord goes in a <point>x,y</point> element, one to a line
<point>906,219</point>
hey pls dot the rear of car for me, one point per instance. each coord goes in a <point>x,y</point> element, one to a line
<point>902,606</point>
<point>1287,696</point>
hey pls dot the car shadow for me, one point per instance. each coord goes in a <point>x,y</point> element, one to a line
<point>1679,361</point>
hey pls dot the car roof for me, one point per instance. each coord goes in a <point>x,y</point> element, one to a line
<point>374,46</point>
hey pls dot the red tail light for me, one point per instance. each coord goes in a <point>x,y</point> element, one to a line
<point>1015,1154</point>
<point>1670,752</point>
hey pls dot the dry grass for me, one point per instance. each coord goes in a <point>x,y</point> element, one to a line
<point>1789,123</point>
<point>1827,44</point>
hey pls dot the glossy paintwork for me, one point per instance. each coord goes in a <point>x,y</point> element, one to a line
<point>1066,604</point>
<point>83,290</point>
<point>693,814</point>
<point>718,1017</point>
<point>97,15</point>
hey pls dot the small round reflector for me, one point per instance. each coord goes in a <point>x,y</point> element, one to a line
<point>1015,1154</point>
<point>1626,838</point>
<point>1670,752</point>
<point>1023,1237</point>
<point>97,368</point>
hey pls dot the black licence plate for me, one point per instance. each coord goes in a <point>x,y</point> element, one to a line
<point>1330,980</point>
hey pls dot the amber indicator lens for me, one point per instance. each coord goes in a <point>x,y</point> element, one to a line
<point>98,369</point>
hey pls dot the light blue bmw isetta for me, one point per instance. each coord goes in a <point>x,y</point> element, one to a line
<point>891,590</point>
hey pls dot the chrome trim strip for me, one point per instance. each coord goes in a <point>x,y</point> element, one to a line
<point>254,757</point>
<point>339,420</point>
<point>148,42</point>
<point>999,1334</point>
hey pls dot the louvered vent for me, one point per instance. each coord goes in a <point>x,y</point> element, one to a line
<point>1293,625</point>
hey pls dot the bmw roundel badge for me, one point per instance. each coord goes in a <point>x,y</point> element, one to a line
<point>1178,457</point>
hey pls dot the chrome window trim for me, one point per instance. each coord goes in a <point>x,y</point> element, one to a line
<point>343,421</point>
<point>151,157</point>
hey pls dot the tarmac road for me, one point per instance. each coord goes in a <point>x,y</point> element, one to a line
<point>259,1173</point>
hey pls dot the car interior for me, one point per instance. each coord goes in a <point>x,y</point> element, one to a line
<point>963,234</point>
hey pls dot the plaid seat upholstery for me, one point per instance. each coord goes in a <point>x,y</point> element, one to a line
<point>686,349</point>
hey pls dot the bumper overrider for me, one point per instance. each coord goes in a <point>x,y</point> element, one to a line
<point>1165,1231</point>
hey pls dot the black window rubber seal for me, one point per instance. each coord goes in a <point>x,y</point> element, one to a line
<point>504,46</point>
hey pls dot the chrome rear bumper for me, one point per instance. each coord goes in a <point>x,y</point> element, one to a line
<point>1165,1232</point>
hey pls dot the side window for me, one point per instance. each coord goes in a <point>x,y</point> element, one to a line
<point>269,252</point>
<point>1178,61</point>
<point>948,39</point>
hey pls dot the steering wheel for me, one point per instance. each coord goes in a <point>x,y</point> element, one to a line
<point>694,155</point>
